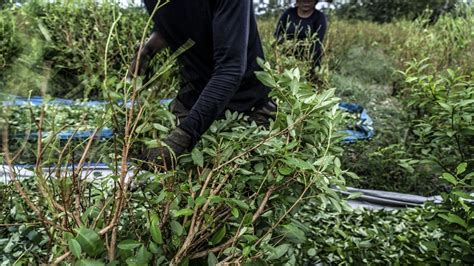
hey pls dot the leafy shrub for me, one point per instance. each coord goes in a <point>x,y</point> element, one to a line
<point>434,234</point>
<point>27,123</point>
<point>448,44</point>
<point>230,198</point>
<point>370,237</point>
<point>70,40</point>
<point>456,216</point>
<point>441,110</point>
<point>366,79</point>
<point>242,185</point>
<point>387,11</point>
<point>22,240</point>
<point>9,43</point>
<point>428,133</point>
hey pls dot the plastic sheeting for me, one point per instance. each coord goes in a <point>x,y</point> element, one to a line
<point>103,134</point>
<point>363,130</point>
<point>12,100</point>
<point>90,171</point>
<point>377,199</point>
<point>369,199</point>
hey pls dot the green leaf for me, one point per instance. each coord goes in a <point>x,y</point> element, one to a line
<point>183,212</point>
<point>44,31</point>
<point>89,263</point>
<point>259,168</point>
<point>133,261</point>
<point>294,234</point>
<point>154,248</point>
<point>285,170</point>
<point>75,248</point>
<point>465,103</point>
<point>89,240</point>
<point>200,201</point>
<point>461,168</point>
<point>240,203</point>
<point>279,251</point>
<point>160,127</point>
<point>184,262</point>
<point>266,79</point>
<point>463,195</point>
<point>463,241</point>
<point>446,106</point>
<point>235,212</point>
<point>197,157</point>
<point>336,204</point>
<point>217,237</point>
<point>68,236</point>
<point>177,228</point>
<point>298,163</point>
<point>212,259</point>
<point>144,256</point>
<point>247,219</point>
<point>215,199</point>
<point>246,251</point>
<point>355,195</point>
<point>128,245</point>
<point>155,232</point>
<point>143,128</point>
<point>452,218</point>
<point>365,244</point>
<point>450,178</point>
<point>312,252</point>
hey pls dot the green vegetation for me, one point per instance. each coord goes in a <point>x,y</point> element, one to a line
<point>387,11</point>
<point>244,194</point>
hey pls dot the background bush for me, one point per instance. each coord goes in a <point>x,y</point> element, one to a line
<point>69,40</point>
<point>387,11</point>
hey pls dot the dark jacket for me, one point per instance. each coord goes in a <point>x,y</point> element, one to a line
<point>219,68</point>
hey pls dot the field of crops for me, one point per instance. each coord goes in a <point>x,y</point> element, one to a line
<point>245,195</point>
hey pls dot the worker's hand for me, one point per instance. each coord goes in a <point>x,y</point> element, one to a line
<point>142,58</point>
<point>165,158</point>
<point>264,113</point>
<point>154,44</point>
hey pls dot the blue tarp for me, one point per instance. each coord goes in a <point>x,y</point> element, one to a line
<point>363,130</point>
<point>103,134</point>
<point>11,100</point>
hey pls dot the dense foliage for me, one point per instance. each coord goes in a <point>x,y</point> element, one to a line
<point>364,59</point>
<point>244,193</point>
<point>387,11</point>
<point>69,43</point>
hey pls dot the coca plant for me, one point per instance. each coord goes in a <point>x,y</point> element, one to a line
<point>231,199</point>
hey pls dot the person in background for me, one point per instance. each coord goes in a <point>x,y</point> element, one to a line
<point>218,70</point>
<point>301,23</point>
<point>438,12</point>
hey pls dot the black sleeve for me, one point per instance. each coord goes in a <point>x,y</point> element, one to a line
<point>230,24</point>
<point>321,28</point>
<point>281,27</point>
